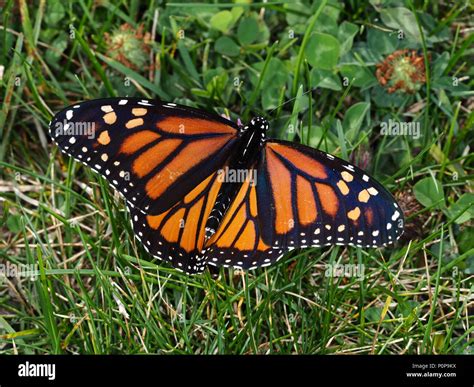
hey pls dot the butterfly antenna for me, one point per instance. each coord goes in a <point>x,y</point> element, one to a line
<point>292,99</point>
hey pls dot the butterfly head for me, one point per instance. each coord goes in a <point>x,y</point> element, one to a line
<point>259,125</point>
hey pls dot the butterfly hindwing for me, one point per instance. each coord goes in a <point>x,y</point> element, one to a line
<point>238,240</point>
<point>178,235</point>
<point>153,153</point>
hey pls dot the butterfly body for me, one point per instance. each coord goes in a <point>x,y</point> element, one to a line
<point>203,191</point>
<point>241,163</point>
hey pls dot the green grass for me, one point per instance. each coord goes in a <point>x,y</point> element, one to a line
<point>93,288</point>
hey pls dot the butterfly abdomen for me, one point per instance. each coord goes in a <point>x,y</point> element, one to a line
<point>240,169</point>
<point>217,213</point>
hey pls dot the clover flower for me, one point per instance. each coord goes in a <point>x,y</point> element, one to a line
<point>129,46</point>
<point>402,70</point>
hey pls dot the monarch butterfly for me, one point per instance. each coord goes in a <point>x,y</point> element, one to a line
<point>172,164</point>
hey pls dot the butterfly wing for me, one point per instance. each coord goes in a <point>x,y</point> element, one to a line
<point>178,235</point>
<point>303,197</point>
<point>319,199</point>
<point>238,240</point>
<point>153,153</point>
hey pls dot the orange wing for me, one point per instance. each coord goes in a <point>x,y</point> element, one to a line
<point>178,234</point>
<point>238,241</point>
<point>303,197</point>
<point>152,153</point>
<point>315,199</point>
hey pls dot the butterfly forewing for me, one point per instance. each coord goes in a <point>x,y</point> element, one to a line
<point>152,153</point>
<point>318,199</point>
